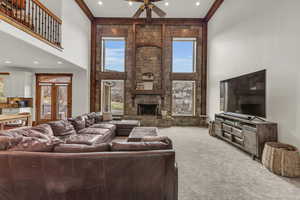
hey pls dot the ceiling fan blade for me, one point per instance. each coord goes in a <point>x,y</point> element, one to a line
<point>158,11</point>
<point>139,12</point>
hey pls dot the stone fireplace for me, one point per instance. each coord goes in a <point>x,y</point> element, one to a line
<point>148,105</point>
<point>148,109</point>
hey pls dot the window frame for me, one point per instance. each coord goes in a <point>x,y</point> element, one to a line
<point>102,95</point>
<point>193,98</point>
<point>195,44</point>
<point>103,39</point>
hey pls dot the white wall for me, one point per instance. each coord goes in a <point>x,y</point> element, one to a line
<point>54,6</point>
<point>250,35</point>
<point>76,34</point>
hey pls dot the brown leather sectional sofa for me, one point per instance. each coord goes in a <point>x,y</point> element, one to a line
<point>77,160</point>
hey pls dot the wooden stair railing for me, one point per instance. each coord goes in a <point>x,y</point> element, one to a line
<point>35,18</point>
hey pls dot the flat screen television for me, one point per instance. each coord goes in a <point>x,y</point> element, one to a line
<point>245,94</point>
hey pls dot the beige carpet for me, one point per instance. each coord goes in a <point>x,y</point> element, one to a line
<point>211,169</point>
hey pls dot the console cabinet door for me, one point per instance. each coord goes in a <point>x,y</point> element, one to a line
<point>218,128</point>
<point>250,142</point>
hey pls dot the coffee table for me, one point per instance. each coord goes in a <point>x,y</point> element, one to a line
<point>138,133</point>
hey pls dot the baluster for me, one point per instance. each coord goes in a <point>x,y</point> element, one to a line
<point>28,14</point>
<point>32,17</point>
<point>45,24</point>
<point>39,21</point>
<point>35,18</point>
<point>21,10</point>
<point>42,22</point>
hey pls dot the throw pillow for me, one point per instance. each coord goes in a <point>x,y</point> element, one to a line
<point>107,117</point>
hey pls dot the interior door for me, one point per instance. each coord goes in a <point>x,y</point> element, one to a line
<point>53,98</point>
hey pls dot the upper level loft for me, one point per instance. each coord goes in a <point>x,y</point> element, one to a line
<point>34,18</point>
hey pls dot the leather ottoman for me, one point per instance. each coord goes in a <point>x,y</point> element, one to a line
<point>124,127</point>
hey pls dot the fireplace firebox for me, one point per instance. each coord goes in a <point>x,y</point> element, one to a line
<point>148,109</point>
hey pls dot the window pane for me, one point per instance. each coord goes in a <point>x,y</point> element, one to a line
<point>183,56</point>
<point>62,102</point>
<point>46,102</point>
<point>115,94</point>
<point>113,55</point>
<point>183,98</point>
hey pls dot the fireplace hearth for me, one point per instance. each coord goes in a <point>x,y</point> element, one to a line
<point>148,109</point>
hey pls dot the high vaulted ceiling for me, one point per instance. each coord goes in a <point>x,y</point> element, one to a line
<point>175,9</point>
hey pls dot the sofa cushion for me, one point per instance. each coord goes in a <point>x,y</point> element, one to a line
<point>80,148</point>
<point>7,142</point>
<point>98,117</point>
<point>32,144</point>
<point>62,128</point>
<point>44,129</point>
<point>104,125</point>
<point>138,146</point>
<point>88,139</point>
<point>95,131</point>
<point>78,123</point>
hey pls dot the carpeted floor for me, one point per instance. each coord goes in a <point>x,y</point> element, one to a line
<point>211,169</point>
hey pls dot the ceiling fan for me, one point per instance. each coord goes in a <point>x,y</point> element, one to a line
<point>149,7</point>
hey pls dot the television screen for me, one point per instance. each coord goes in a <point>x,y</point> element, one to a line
<point>245,94</point>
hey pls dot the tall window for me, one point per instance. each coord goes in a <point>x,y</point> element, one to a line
<point>183,101</point>
<point>113,54</point>
<point>184,55</point>
<point>2,96</point>
<point>113,96</point>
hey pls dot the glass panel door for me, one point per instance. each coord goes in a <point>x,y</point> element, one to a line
<point>46,102</point>
<point>62,102</point>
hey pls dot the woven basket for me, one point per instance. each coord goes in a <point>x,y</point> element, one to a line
<point>281,159</point>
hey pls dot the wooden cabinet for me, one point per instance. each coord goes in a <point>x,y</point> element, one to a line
<point>245,134</point>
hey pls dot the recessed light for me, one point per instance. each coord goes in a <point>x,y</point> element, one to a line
<point>130,3</point>
<point>197,3</point>
<point>59,62</point>
<point>36,62</point>
<point>167,4</point>
<point>7,62</point>
<point>100,3</point>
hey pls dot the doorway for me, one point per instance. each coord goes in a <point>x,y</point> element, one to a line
<point>53,97</point>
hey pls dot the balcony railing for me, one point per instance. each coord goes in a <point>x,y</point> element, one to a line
<point>35,18</point>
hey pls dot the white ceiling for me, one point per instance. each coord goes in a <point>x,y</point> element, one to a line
<point>22,54</point>
<point>176,8</point>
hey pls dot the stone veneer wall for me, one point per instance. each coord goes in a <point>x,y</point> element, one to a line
<point>149,49</point>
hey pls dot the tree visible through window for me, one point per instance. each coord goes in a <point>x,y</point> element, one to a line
<point>183,101</point>
<point>184,55</point>
<point>113,54</point>
<point>113,96</point>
